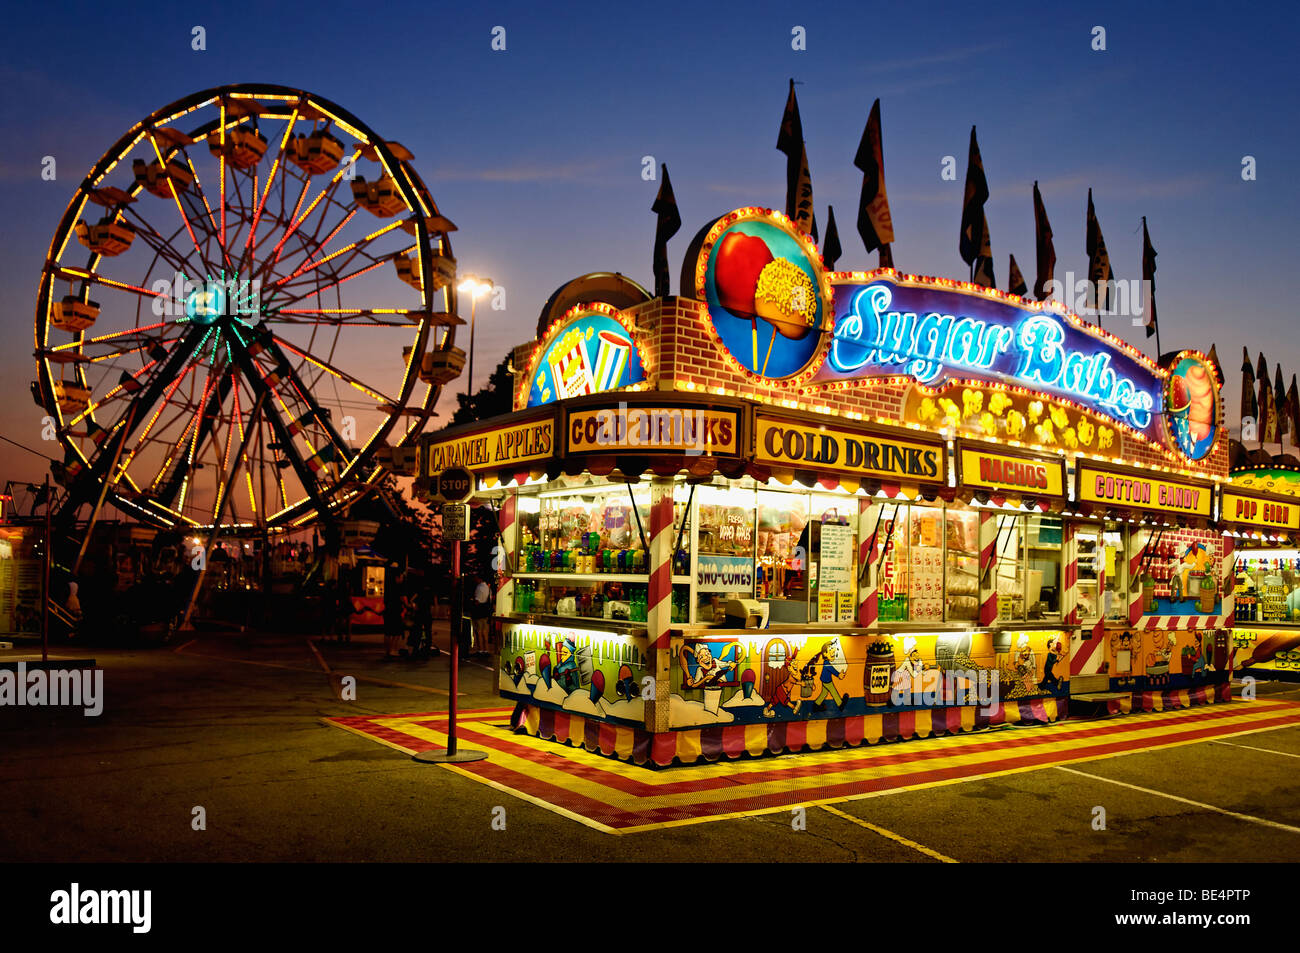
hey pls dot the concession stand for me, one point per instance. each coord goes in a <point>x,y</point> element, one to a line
<point>792,509</point>
<point>1260,513</point>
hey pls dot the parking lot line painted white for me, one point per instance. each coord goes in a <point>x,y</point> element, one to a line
<point>1285,754</point>
<point>929,852</point>
<point>1182,800</point>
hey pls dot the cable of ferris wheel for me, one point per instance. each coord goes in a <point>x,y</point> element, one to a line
<point>27,448</point>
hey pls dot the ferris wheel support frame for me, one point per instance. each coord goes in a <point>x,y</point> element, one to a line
<point>227,489</point>
<point>94,471</point>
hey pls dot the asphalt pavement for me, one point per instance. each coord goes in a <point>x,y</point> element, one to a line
<point>232,724</point>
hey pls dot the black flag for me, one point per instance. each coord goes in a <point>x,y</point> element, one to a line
<point>1267,412</point>
<point>1293,411</point>
<point>973,226</point>
<point>669,221</point>
<point>1249,405</point>
<point>790,141</point>
<point>875,224</point>
<point>1214,359</point>
<point>984,262</point>
<point>831,250</point>
<point>1099,273</point>
<point>1280,406</point>
<point>803,215</point>
<point>1045,251</point>
<point>1015,280</point>
<point>1149,280</point>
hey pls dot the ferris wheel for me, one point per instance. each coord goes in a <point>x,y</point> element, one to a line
<point>248,300</point>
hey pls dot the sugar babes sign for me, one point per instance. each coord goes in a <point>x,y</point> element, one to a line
<point>780,318</point>
<point>935,335</point>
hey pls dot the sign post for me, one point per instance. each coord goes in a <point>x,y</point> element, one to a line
<point>455,486</point>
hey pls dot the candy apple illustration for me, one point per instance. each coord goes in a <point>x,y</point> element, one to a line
<point>752,283</point>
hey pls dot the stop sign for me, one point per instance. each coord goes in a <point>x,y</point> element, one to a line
<point>456,485</point>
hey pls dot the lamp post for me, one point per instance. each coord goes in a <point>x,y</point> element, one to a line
<point>474,287</point>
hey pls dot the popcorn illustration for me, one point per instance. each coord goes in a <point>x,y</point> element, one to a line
<point>999,402</point>
<point>785,297</point>
<point>1086,430</point>
<point>1069,438</point>
<point>951,411</point>
<point>928,411</point>
<point>988,423</point>
<point>1035,411</point>
<point>972,402</point>
<point>1105,438</point>
<point>1059,417</point>
<point>571,369</point>
<point>1015,424</point>
<point>1044,432</point>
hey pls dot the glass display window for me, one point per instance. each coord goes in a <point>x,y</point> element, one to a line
<point>781,554</point>
<point>926,533</point>
<point>1043,566</point>
<point>725,549</point>
<point>1268,586</point>
<point>961,545</point>
<point>1028,572</point>
<point>593,598</point>
<point>588,530</point>
<point>1092,565</point>
<point>832,558</point>
<point>726,521</point>
<point>1114,568</point>
<point>1009,579</point>
<point>893,557</point>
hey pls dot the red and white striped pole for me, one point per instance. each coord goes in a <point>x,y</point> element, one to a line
<point>869,514</point>
<point>659,602</point>
<point>1135,596</point>
<point>509,544</point>
<point>988,583</point>
<point>1228,583</point>
<point>1070,557</point>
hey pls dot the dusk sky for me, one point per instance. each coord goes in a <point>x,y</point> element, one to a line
<point>536,152</point>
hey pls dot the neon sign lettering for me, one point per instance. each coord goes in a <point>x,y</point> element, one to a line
<point>1034,350</point>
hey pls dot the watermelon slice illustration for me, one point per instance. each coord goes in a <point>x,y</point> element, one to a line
<point>1180,398</point>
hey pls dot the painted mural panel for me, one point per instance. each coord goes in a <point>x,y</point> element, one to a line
<point>786,677</point>
<point>1164,659</point>
<point>588,672</point>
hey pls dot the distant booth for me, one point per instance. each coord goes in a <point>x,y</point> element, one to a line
<point>794,509</point>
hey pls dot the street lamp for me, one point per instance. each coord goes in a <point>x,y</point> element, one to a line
<point>474,287</point>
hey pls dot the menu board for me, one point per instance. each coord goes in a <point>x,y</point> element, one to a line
<point>836,558</point>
